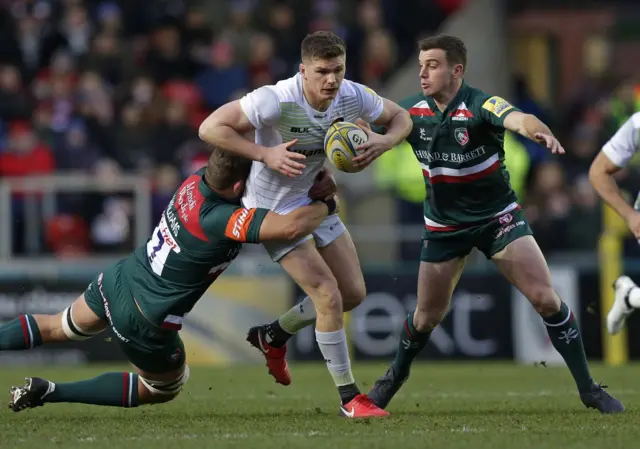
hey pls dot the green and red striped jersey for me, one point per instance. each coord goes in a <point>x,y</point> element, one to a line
<point>461,152</point>
<point>198,236</point>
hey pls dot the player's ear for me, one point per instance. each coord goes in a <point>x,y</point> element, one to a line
<point>238,188</point>
<point>302,69</point>
<point>458,70</point>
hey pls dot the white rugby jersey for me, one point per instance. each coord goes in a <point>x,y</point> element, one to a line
<point>625,142</point>
<point>280,113</point>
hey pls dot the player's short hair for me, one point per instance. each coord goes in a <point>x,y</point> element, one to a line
<point>322,45</point>
<point>225,169</point>
<point>453,47</point>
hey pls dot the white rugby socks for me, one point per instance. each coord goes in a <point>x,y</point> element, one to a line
<point>298,317</point>
<point>335,351</point>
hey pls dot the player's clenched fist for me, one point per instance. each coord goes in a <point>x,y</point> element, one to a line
<point>283,160</point>
<point>323,186</point>
<point>372,149</point>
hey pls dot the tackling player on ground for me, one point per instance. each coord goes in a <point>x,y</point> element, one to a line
<point>290,121</point>
<point>144,297</point>
<point>615,155</point>
<point>457,136</point>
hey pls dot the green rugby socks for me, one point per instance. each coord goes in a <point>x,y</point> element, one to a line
<point>564,333</point>
<point>411,343</point>
<point>21,333</point>
<point>113,389</point>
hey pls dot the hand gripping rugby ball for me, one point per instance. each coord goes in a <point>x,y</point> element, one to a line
<point>340,144</point>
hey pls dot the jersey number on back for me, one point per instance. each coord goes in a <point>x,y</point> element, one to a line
<point>160,246</point>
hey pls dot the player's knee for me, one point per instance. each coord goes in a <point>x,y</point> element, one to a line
<point>158,392</point>
<point>353,294</point>
<point>326,297</point>
<point>425,320</point>
<point>544,300</point>
<point>146,397</point>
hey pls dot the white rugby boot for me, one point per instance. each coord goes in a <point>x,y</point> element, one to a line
<point>621,308</point>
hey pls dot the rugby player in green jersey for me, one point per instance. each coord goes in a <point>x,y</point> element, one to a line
<point>457,136</point>
<point>144,297</point>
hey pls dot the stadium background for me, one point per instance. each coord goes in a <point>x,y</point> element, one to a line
<point>99,107</point>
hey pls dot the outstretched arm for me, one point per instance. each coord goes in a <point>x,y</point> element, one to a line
<point>257,225</point>
<point>532,128</point>
<point>260,225</point>
<point>499,112</point>
<point>296,224</point>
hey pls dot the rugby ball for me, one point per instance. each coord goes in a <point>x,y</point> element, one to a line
<point>340,145</point>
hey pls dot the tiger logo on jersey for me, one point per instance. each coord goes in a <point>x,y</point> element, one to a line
<point>462,136</point>
<point>497,106</point>
<point>505,219</point>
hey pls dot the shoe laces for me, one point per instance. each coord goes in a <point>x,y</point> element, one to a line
<point>600,388</point>
<point>363,400</point>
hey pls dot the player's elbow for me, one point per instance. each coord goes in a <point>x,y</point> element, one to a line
<point>209,130</point>
<point>594,174</point>
<point>598,178</point>
<point>520,123</point>
<point>526,125</point>
<point>597,172</point>
<point>205,131</point>
<point>405,117</point>
<point>401,120</point>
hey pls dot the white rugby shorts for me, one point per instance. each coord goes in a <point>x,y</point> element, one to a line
<point>328,231</point>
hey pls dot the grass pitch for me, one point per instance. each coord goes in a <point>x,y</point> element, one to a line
<point>448,406</point>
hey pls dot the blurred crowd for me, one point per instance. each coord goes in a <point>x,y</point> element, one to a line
<point>106,87</point>
<point>121,86</point>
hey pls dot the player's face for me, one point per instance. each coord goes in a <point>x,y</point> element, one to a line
<point>323,77</point>
<point>436,75</point>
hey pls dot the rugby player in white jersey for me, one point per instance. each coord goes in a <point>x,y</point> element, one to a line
<point>615,155</point>
<point>290,120</point>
